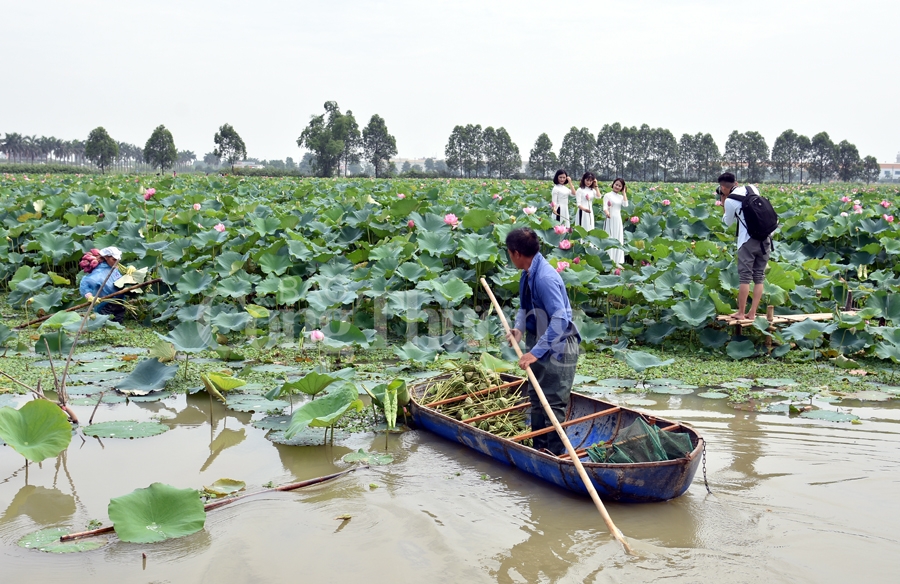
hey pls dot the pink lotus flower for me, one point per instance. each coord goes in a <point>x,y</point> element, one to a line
<point>888,218</point>
<point>451,220</point>
<point>317,336</point>
<point>577,260</point>
<point>561,265</point>
<point>635,220</point>
<point>844,214</point>
<point>565,244</point>
<point>151,191</point>
<point>196,206</point>
<point>718,203</point>
<point>411,224</point>
<point>560,229</point>
<point>856,202</point>
<point>857,207</point>
<point>845,199</point>
<point>200,225</point>
<point>885,204</point>
<point>666,202</point>
<point>617,272</point>
<point>401,196</point>
<point>147,196</point>
<point>529,210</point>
<point>676,189</point>
<point>497,196</point>
<point>219,227</point>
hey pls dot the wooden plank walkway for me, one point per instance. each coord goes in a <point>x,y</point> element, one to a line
<point>782,318</point>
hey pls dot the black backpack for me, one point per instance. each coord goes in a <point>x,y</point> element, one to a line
<point>760,219</point>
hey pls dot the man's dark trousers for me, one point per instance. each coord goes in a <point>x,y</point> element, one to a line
<point>555,376</point>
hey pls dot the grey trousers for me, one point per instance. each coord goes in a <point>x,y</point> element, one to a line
<point>555,374</point>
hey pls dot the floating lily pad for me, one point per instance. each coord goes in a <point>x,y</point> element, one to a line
<point>107,379</point>
<point>47,540</point>
<point>595,389</point>
<point>272,423</point>
<point>128,350</point>
<point>869,396</point>
<point>125,429</point>
<point>665,381</point>
<point>157,513</point>
<point>99,365</point>
<point>151,397</point>
<point>796,395</point>
<point>829,416</point>
<point>670,390</point>
<point>778,408</point>
<point>251,402</point>
<point>149,375</point>
<point>108,398</point>
<point>224,487</point>
<point>616,383</point>
<point>90,356</point>
<point>828,397</point>
<point>640,402</point>
<point>736,384</point>
<point>372,458</point>
<point>85,389</point>
<point>713,395</point>
<point>309,436</point>
<point>776,382</point>
<point>579,379</point>
<point>275,369</point>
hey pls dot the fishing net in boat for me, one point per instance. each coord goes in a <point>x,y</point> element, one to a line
<point>641,442</point>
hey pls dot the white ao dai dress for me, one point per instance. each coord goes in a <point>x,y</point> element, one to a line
<point>613,203</point>
<point>584,198</point>
<point>560,197</point>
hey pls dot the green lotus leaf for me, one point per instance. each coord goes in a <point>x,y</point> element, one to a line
<point>776,382</point>
<point>592,330</point>
<point>38,430</point>
<point>290,289</point>
<point>309,436</point>
<point>694,312</point>
<point>162,351</point>
<point>712,395</point>
<point>47,540</point>
<point>370,458</point>
<point>95,321</point>
<point>56,246</point>
<point>231,322</point>
<point>6,335</point>
<point>224,487</point>
<point>713,338</point>
<point>641,361</point>
<point>453,290</point>
<point>473,248</point>
<point>312,383</point>
<point>224,382</point>
<point>247,402</point>
<point>274,264</point>
<point>658,332</point>
<point>157,513</point>
<point>257,311</point>
<point>884,305</point>
<point>58,342</point>
<point>125,429</point>
<point>640,402</point>
<point>888,351</point>
<point>149,375</point>
<point>492,363</point>
<point>230,262</point>
<point>741,349</point>
<point>234,287</point>
<point>829,416</point>
<point>47,301</point>
<point>343,334</point>
<point>808,330</point>
<point>194,282</point>
<point>189,337</point>
<point>878,396</point>
<point>265,226</point>
<point>59,320</point>
<point>413,353</point>
<point>229,354</point>
<point>326,410</point>
<point>437,243</point>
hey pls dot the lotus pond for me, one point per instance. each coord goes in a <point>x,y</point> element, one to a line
<point>215,384</point>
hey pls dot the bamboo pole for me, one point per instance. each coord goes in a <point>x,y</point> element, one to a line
<point>562,434</point>
<point>86,304</point>
<point>223,502</point>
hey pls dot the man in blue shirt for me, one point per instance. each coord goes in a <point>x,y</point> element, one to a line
<point>552,339</point>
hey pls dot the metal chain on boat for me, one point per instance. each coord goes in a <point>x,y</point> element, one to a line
<point>704,468</point>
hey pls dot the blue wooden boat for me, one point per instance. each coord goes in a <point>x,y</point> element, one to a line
<point>588,421</point>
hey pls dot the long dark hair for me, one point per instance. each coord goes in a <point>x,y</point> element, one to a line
<point>618,179</point>
<point>586,176</point>
<point>556,176</point>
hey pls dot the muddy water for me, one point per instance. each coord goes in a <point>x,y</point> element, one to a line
<point>793,501</point>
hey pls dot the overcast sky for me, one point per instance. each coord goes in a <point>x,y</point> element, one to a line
<point>266,66</point>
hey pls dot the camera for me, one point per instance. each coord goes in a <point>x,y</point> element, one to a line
<point>718,192</point>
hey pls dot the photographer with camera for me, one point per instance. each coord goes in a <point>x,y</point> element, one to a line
<point>756,221</point>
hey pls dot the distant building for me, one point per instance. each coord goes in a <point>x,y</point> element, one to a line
<point>890,172</point>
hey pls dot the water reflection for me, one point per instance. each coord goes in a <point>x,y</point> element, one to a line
<point>44,506</point>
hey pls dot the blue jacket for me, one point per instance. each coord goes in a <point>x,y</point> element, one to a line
<point>90,284</point>
<point>544,309</point>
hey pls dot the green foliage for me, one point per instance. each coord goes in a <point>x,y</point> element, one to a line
<point>149,375</point>
<point>38,430</point>
<point>157,513</point>
<point>229,145</point>
<point>325,411</point>
<point>100,148</point>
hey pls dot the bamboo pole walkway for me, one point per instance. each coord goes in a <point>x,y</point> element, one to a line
<point>782,318</point>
